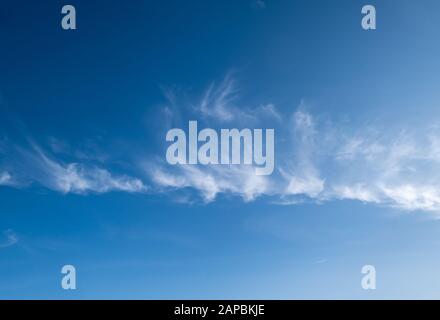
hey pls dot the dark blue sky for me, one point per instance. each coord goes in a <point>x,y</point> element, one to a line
<point>83,178</point>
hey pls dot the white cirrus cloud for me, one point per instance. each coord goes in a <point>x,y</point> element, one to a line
<point>316,159</point>
<point>211,181</point>
<point>413,197</point>
<point>74,177</point>
<point>220,104</point>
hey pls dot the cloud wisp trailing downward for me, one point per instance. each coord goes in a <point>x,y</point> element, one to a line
<point>220,104</point>
<point>301,173</point>
<point>397,168</point>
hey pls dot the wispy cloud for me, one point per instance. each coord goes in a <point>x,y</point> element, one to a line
<point>413,197</point>
<point>258,4</point>
<point>9,239</point>
<point>355,192</point>
<point>35,166</point>
<point>80,178</point>
<point>217,101</point>
<point>316,159</point>
<point>220,104</point>
<point>211,181</point>
<point>300,170</point>
<point>5,178</point>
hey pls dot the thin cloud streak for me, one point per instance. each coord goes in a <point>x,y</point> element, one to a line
<point>36,166</point>
<point>80,178</point>
<point>10,238</point>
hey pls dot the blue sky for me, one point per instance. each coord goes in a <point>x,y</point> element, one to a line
<point>83,176</point>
